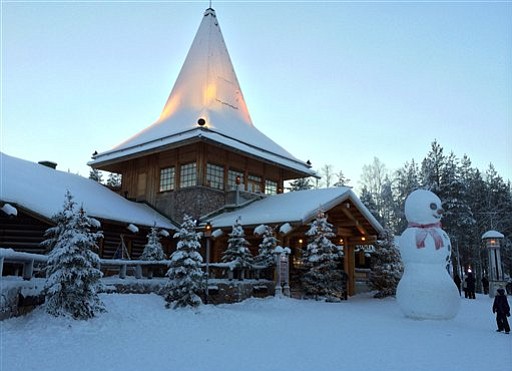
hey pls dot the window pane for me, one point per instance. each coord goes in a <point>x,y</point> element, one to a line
<point>188,175</point>
<point>232,174</point>
<point>270,187</point>
<point>215,176</point>
<point>254,183</point>
<point>166,179</point>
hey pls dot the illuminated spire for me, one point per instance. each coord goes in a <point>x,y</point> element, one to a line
<point>207,84</point>
<point>206,102</point>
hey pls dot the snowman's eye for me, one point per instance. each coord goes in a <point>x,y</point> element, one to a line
<point>433,206</point>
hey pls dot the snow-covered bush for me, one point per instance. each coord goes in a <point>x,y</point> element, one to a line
<point>324,277</point>
<point>237,251</point>
<point>268,244</point>
<point>73,275</point>
<point>153,249</point>
<point>387,266</point>
<point>185,274</point>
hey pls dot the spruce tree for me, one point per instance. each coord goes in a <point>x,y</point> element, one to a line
<point>185,273</point>
<point>300,184</point>
<point>114,181</point>
<point>323,278</point>
<point>61,220</point>
<point>266,248</point>
<point>73,275</point>
<point>387,266</point>
<point>153,249</point>
<point>96,175</point>
<point>342,180</point>
<point>237,251</point>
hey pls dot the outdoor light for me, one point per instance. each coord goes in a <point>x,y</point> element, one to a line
<point>201,122</point>
<point>208,230</point>
<point>492,240</point>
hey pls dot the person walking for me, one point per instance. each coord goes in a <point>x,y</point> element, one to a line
<point>502,310</point>
<point>485,285</point>
<point>470,282</point>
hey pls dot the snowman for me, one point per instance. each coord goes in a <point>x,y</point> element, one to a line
<point>426,290</point>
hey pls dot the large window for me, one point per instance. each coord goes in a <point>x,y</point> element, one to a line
<point>270,187</point>
<point>167,179</point>
<point>254,183</point>
<point>188,175</point>
<point>232,175</point>
<point>215,176</point>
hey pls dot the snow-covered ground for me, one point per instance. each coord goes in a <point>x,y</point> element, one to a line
<point>363,333</point>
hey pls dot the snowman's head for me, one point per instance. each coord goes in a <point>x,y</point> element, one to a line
<point>423,207</point>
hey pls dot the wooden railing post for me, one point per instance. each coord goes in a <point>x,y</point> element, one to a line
<point>1,266</point>
<point>138,271</point>
<point>122,271</point>
<point>28,269</point>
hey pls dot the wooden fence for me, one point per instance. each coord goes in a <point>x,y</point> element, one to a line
<point>32,263</point>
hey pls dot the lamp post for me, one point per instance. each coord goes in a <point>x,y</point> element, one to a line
<point>282,271</point>
<point>207,235</point>
<point>492,240</point>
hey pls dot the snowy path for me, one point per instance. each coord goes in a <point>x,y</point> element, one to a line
<point>138,333</point>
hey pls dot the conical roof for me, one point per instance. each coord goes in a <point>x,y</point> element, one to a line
<point>206,89</point>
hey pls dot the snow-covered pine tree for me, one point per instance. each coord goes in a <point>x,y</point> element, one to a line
<point>324,278</point>
<point>114,181</point>
<point>96,175</point>
<point>73,275</point>
<point>61,220</point>
<point>185,273</point>
<point>387,266</point>
<point>406,180</point>
<point>268,244</point>
<point>153,249</point>
<point>300,184</point>
<point>342,180</point>
<point>237,251</point>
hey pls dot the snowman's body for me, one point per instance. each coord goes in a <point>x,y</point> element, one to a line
<point>426,290</point>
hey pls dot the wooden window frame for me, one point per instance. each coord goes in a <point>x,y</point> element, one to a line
<point>188,175</point>
<point>167,179</point>
<point>215,176</point>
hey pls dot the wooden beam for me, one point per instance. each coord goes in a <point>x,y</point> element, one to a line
<point>344,231</point>
<point>357,224</point>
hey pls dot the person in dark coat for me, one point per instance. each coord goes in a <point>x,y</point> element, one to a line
<point>457,281</point>
<point>470,282</point>
<point>485,285</point>
<point>502,310</point>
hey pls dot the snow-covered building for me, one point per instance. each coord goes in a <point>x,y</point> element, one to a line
<point>32,193</point>
<point>204,142</point>
<point>205,157</point>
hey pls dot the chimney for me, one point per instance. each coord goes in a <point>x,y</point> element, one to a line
<point>50,164</point>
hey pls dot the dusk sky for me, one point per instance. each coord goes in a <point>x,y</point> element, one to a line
<point>332,82</point>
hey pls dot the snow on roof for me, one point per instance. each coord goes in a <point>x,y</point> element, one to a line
<point>293,207</point>
<point>206,88</point>
<point>41,189</point>
<point>492,234</point>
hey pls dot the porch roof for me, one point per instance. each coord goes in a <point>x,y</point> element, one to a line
<point>299,208</point>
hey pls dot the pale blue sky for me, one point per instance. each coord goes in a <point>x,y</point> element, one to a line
<point>333,82</point>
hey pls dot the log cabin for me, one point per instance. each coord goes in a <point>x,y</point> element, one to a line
<point>32,193</point>
<point>204,157</point>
